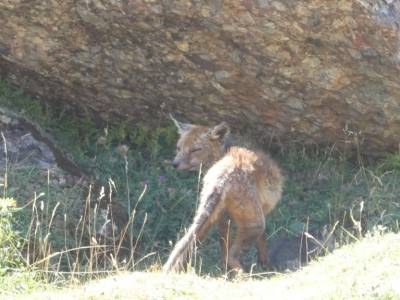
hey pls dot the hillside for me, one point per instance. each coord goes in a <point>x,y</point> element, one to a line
<point>369,269</point>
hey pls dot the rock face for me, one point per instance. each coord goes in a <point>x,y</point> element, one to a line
<point>310,71</point>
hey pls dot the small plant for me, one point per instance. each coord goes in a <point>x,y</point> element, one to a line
<point>10,240</point>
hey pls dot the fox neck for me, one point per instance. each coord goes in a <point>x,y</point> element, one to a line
<point>217,155</point>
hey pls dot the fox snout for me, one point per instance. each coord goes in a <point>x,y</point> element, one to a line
<point>175,163</point>
<point>181,163</point>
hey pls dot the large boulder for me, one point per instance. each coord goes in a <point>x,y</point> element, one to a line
<point>311,71</point>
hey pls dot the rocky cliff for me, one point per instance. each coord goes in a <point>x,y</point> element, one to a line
<point>311,71</point>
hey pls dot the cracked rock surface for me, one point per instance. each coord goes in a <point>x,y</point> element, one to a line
<point>310,71</point>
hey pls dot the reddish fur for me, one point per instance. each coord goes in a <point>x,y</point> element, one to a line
<point>240,185</point>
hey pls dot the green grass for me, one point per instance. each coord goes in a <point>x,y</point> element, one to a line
<point>323,187</point>
<point>21,282</point>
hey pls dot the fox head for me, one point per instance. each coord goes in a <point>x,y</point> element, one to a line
<point>199,145</point>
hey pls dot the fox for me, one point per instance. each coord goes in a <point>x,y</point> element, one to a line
<point>239,184</point>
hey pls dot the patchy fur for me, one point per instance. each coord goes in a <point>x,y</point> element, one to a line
<point>240,185</point>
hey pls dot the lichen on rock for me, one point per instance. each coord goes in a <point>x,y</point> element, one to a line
<point>298,70</point>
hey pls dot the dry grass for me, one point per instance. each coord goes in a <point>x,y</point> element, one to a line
<point>368,269</point>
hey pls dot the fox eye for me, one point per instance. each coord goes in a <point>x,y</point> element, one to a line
<point>195,150</point>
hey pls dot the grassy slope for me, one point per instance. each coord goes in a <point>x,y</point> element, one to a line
<point>321,188</point>
<point>364,270</point>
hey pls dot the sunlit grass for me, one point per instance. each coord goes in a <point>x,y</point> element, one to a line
<point>368,269</point>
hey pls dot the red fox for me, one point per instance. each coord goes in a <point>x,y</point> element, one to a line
<point>240,185</point>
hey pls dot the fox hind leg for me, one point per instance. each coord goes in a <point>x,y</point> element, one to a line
<point>262,251</point>
<point>248,216</point>
<point>246,236</point>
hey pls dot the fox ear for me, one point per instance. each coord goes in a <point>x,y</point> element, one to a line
<point>182,127</point>
<point>220,131</point>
